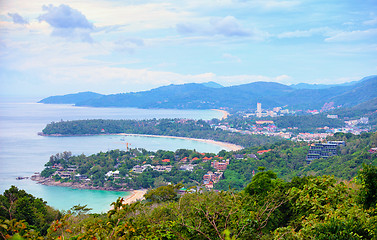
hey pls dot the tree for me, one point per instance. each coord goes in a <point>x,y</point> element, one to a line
<point>367,177</point>
<point>163,193</point>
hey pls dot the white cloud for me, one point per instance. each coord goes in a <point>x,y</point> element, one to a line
<point>229,4</point>
<point>232,58</point>
<point>369,34</point>
<point>276,4</point>
<point>306,33</point>
<point>17,18</point>
<point>228,27</point>
<point>372,21</point>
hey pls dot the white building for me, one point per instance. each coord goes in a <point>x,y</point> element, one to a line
<point>259,110</point>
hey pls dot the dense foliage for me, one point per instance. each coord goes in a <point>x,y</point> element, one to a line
<point>296,124</point>
<point>169,127</point>
<point>268,208</point>
<point>22,210</point>
<point>287,159</point>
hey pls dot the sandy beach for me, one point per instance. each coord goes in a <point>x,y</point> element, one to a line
<point>229,146</point>
<point>225,113</point>
<point>134,196</point>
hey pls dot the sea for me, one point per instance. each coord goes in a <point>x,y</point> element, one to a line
<point>23,152</point>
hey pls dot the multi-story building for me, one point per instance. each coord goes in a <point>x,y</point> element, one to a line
<point>220,166</point>
<point>323,150</point>
<point>259,110</point>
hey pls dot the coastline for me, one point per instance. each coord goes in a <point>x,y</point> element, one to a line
<point>75,185</point>
<point>229,146</point>
<point>134,196</point>
<point>225,113</point>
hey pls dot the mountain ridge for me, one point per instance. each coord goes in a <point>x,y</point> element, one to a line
<point>239,97</point>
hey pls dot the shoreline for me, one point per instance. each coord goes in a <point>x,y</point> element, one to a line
<point>135,195</point>
<point>225,113</point>
<point>230,146</point>
<point>74,185</point>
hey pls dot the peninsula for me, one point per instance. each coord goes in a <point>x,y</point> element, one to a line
<point>199,130</point>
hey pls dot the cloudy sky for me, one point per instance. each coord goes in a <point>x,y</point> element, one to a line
<point>111,46</point>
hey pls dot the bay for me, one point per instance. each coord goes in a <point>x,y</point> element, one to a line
<point>23,152</point>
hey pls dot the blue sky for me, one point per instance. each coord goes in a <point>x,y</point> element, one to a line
<point>59,47</point>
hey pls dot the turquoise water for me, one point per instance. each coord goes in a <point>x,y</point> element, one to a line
<point>23,152</point>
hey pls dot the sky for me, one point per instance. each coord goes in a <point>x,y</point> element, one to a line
<point>117,46</point>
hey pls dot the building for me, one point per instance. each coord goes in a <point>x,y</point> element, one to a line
<point>212,177</point>
<point>263,151</point>
<point>323,150</point>
<point>114,174</point>
<point>332,116</point>
<point>187,167</point>
<point>259,110</point>
<point>220,166</point>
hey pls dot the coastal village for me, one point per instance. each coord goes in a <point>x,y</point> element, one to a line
<point>264,124</point>
<point>61,171</point>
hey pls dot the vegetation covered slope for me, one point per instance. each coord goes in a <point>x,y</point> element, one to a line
<point>286,158</point>
<point>268,208</point>
<point>169,127</point>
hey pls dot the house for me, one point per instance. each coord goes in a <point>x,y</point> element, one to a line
<point>239,156</point>
<point>373,150</point>
<point>137,169</point>
<point>187,167</point>
<point>263,151</point>
<point>212,177</point>
<point>160,168</point>
<point>220,166</point>
<point>114,174</point>
<point>63,174</point>
<point>209,185</point>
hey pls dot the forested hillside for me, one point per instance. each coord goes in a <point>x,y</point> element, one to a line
<point>169,127</point>
<point>268,208</point>
<point>286,158</point>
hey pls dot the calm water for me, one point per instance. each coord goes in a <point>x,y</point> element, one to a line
<point>23,152</point>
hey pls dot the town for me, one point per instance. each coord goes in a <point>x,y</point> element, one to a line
<point>261,122</point>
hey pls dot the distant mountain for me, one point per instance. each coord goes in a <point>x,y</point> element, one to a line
<point>71,98</point>
<point>246,96</point>
<point>212,85</point>
<point>324,86</point>
<point>310,86</point>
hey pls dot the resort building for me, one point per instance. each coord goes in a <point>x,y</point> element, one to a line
<point>323,150</point>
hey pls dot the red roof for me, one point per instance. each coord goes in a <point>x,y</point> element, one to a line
<point>166,160</point>
<point>207,158</point>
<point>195,158</point>
<point>263,151</point>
